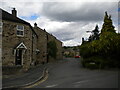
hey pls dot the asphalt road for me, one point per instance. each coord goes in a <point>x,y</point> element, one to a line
<point>69,73</point>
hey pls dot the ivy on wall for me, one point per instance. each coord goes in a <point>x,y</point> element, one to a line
<point>52,49</point>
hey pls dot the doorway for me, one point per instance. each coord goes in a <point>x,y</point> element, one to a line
<point>18,60</point>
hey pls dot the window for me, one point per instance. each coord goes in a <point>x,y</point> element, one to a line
<point>1,27</point>
<point>20,30</point>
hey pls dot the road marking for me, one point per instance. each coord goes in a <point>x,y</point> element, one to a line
<point>82,81</point>
<point>77,84</point>
<point>39,82</point>
<point>51,85</point>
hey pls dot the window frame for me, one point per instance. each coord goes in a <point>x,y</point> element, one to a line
<point>21,30</point>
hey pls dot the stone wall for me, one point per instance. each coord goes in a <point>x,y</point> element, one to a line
<point>60,49</point>
<point>34,49</point>
<point>41,45</point>
<point>0,43</point>
<point>44,38</point>
<point>11,40</point>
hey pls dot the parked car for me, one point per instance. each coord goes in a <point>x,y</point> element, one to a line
<point>77,56</point>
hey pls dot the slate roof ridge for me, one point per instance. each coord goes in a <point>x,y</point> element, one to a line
<point>10,17</point>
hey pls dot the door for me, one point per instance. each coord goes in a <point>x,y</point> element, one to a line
<point>18,57</point>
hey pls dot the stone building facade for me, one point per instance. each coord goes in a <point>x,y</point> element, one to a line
<point>41,45</point>
<point>17,40</point>
<point>43,39</point>
<point>22,44</point>
<point>60,49</point>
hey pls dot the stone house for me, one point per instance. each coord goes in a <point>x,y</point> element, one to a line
<point>17,40</point>
<point>41,44</point>
<point>43,39</point>
<point>23,45</point>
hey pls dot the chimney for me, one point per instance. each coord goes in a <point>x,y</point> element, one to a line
<point>35,24</point>
<point>14,12</point>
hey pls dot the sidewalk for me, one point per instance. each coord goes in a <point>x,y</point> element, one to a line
<point>28,77</point>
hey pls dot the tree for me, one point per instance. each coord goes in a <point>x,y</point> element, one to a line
<point>107,25</point>
<point>106,50</point>
<point>95,34</point>
<point>90,38</point>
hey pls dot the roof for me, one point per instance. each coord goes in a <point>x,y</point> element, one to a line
<point>9,17</point>
<point>22,46</point>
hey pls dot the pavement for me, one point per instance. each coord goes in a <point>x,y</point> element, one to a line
<point>28,78</point>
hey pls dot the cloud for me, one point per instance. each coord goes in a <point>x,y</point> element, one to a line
<point>68,21</point>
<point>71,43</point>
<point>24,9</point>
<point>74,11</point>
<point>74,31</point>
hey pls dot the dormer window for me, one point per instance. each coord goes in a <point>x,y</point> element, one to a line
<point>20,30</point>
<point>1,27</point>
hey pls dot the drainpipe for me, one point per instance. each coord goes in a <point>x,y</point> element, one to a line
<point>32,46</point>
<point>46,45</point>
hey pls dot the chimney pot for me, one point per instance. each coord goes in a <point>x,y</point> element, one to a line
<point>35,24</point>
<point>14,12</point>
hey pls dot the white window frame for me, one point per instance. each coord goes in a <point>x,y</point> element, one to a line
<point>1,24</point>
<point>20,30</point>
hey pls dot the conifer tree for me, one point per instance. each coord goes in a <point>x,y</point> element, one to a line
<point>95,34</point>
<point>107,25</point>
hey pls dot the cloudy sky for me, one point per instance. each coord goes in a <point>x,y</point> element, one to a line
<point>68,20</point>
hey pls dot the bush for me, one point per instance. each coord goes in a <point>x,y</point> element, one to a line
<point>99,62</point>
<point>52,49</point>
<point>91,66</point>
<point>107,48</point>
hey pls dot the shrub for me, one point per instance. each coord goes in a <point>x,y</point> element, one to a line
<point>52,49</point>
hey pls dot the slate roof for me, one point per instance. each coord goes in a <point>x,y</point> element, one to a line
<point>9,17</point>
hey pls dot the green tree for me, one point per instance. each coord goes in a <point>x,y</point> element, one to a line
<point>95,34</point>
<point>106,50</point>
<point>52,49</point>
<point>107,25</point>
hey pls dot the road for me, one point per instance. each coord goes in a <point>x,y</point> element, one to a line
<point>69,73</point>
